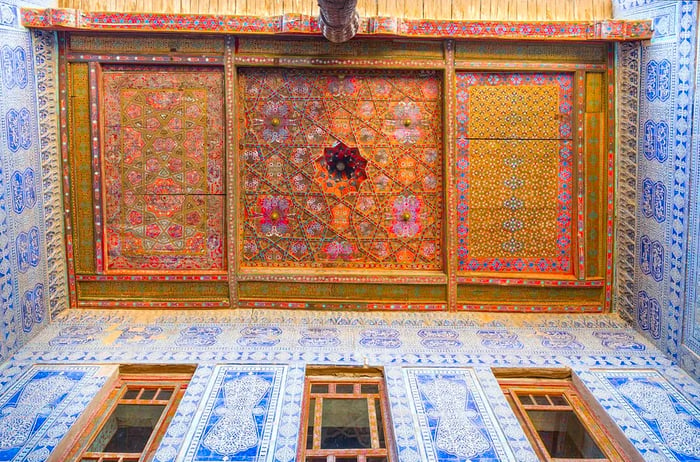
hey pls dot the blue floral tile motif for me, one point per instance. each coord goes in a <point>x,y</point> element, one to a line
<point>19,131</point>
<point>260,336</point>
<point>454,417</point>
<point>8,15</point>
<point>237,418</point>
<point>439,338</point>
<point>75,335</point>
<point>401,416</point>
<point>620,341</point>
<point>656,139</point>
<point>380,337</point>
<point>500,338</point>
<point>198,336</point>
<point>665,415</point>
<point>559,340</point>
<point>654,200</point>
<point>40,407</point>
<point>319,337</point>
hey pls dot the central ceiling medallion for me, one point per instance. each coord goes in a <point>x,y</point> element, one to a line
<point>341,169</point>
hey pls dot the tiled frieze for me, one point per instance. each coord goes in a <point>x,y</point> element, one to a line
<point>40,407</point>
<point>662,297</point>
<point>237,415</point>
<point>265,352</point>
<point>32,262</point>
<point>661,423</point>
<point>457,419</point>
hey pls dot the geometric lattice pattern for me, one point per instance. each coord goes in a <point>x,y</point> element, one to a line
<point>514,172</point>
<point>163,166</point>
<point>341,169</point>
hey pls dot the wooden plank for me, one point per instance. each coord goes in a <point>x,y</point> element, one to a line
<point>415,9</point>
<point>367,8</point>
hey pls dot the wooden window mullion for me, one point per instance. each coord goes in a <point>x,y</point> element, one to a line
<point>373,430</point>
<point>318,421</point>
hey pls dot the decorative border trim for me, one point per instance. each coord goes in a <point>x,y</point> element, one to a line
<point>532,308</point>
<point>504,281</point>
<point>113,58</point>
<point>654,438</point>
<point>139,304</point>
<point>151,277</point>
<point>45,66</point>
<point>343,306</point>
<point>59,415</point>
<point>355,278</point>
<point>73,19</point>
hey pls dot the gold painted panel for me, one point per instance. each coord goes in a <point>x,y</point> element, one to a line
<point>163,169</point>
<point>354,49</point>
<point>130,44</point>
<point>513,198</point>
<point>524,51</point>
<point>353,292</point>
<point>507,111</point>
<point>341,169</point>
<point>81,169</point>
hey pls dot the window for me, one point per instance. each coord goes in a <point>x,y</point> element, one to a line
<point>133,419</point>
<point>344,417</point>
<point>557,420</point>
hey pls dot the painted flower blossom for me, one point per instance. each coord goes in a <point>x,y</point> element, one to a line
<point>339,249</point>
<point>274,215</point>
<point>275,121</point>
<point>406,212</point>
<point>407,122</point>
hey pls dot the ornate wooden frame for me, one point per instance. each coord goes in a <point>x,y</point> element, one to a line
<point>588,289</point>
<point>512,387</point>
<point>357,382</point>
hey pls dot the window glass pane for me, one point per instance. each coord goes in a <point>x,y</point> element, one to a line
<point>165,395</point>
<point>369,388</point>
<point>564,435</point>
<point>525,399</point>
<point>131,393</point>
<point>541,400</point>
<point>345,424</point>
<point>376,459</point>
<point>319,388</point>
<point>559,400</point>
<point>380,424</point>
<point>345,388</point>
<point>148,394</point>
<point>310,427</point>
<point>127,429</point>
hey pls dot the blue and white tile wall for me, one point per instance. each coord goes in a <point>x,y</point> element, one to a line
<point>32,261</point>
<point>658,235</point>
<point>266,354</point>
<point>41,406</point>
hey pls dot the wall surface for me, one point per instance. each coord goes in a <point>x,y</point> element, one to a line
<point>658,173</point>
<point>654,403</point>
<point>504,10</point>
<point>32,261</point>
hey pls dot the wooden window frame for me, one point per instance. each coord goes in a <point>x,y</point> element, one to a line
<point>175,382</point>
<point>357,380</point>
<point>512,387</point>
